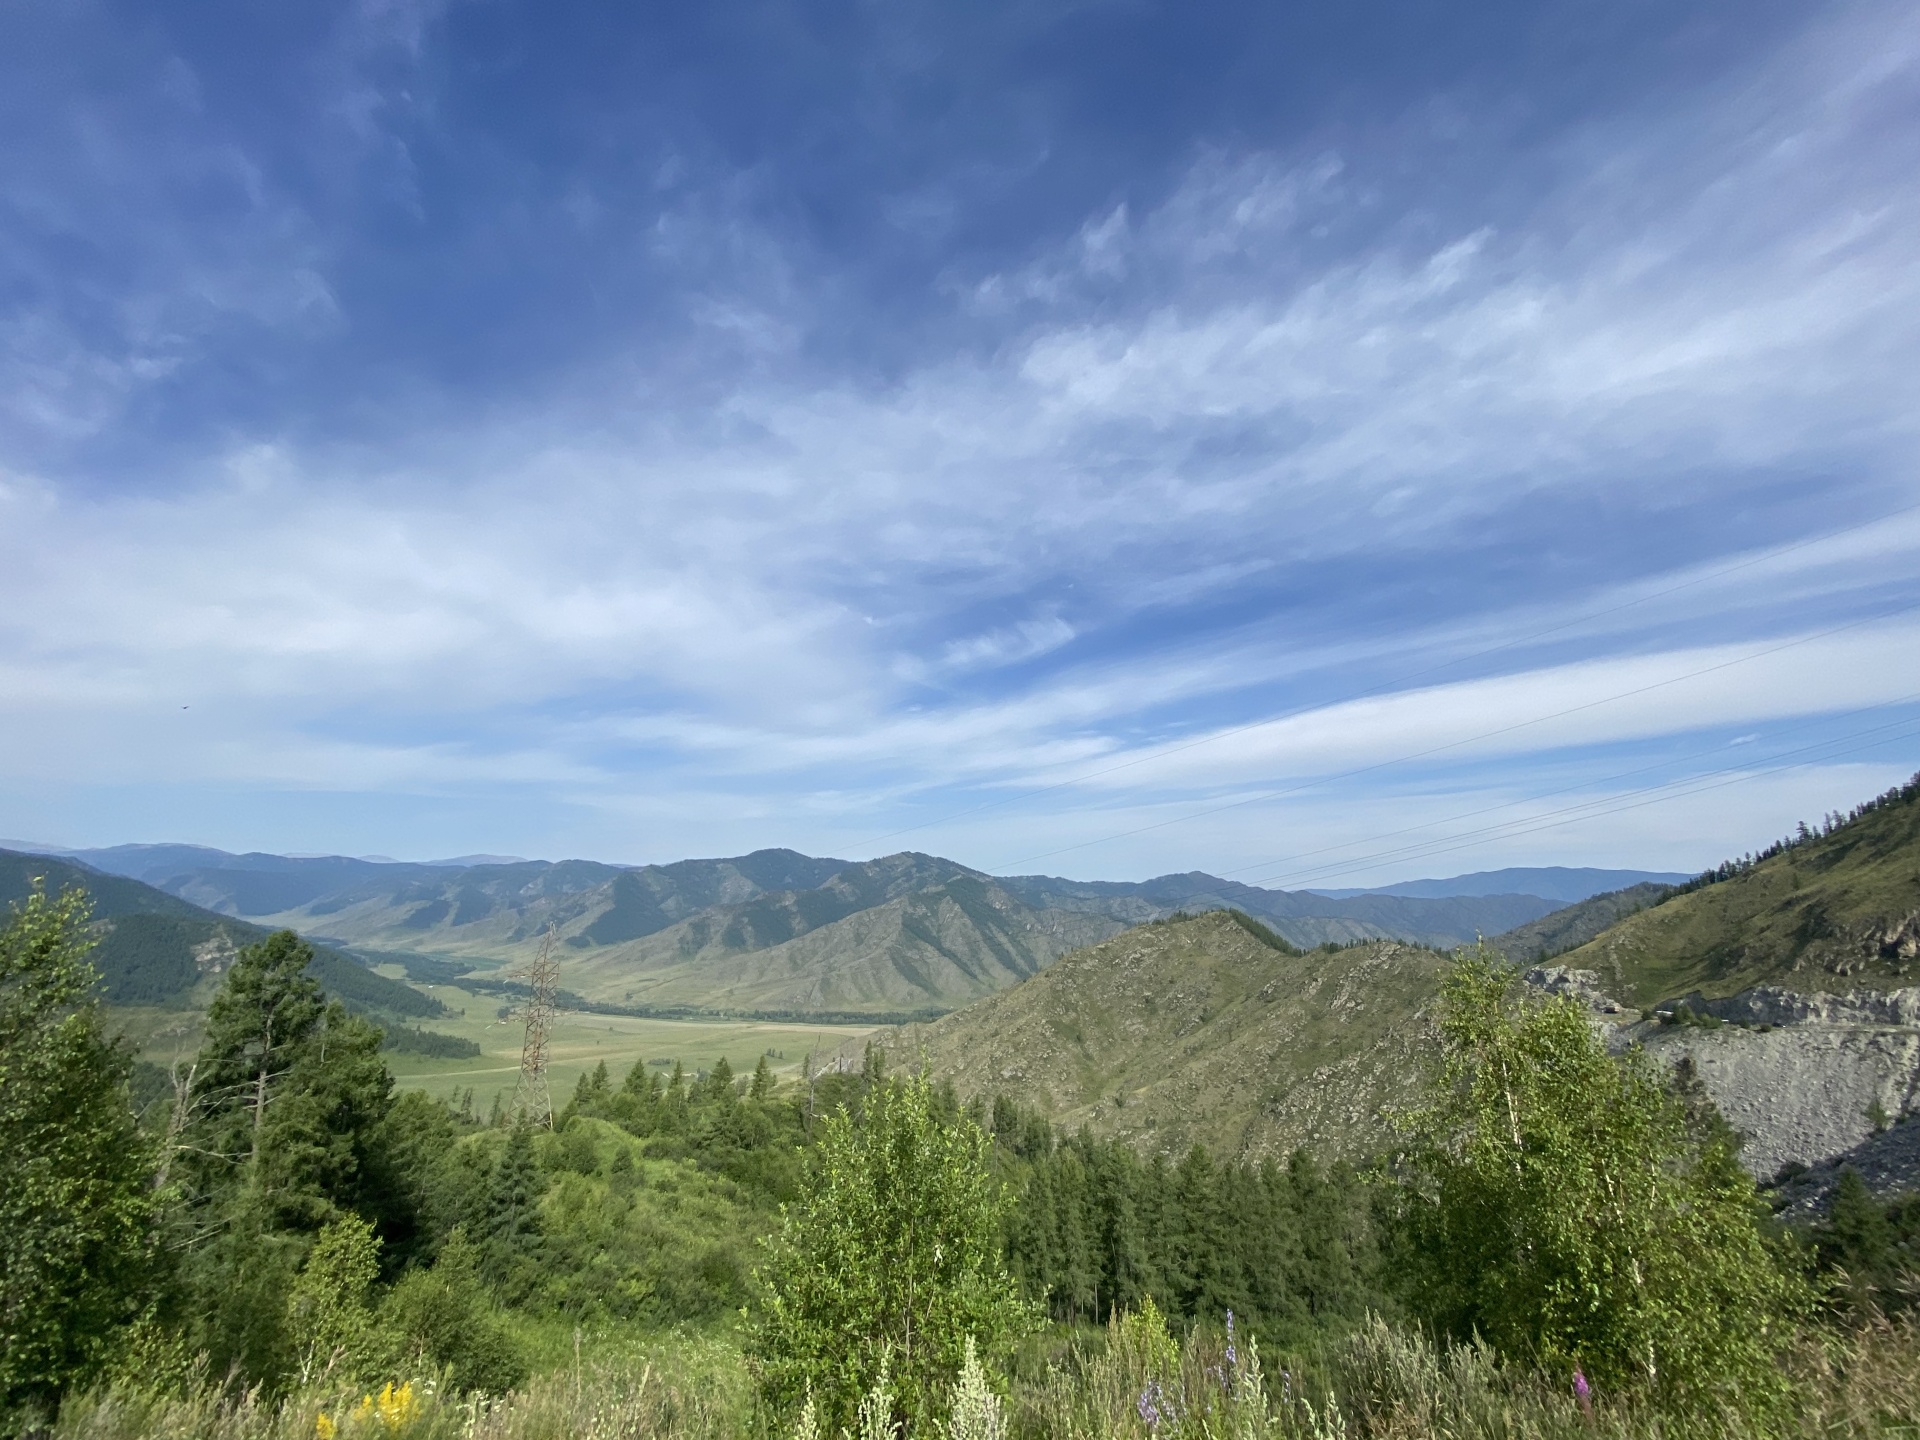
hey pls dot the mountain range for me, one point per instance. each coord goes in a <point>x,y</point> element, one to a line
<point>1553,882</point>
<point>1783,985</point>
<point>773,932</point>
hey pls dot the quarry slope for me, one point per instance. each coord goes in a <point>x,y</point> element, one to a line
<point>1198,1030</point>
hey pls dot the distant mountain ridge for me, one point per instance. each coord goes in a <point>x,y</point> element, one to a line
<point>157,949</point>
<point>1568,885</point>
<point>774,931</point>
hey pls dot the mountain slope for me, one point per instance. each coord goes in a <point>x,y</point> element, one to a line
<point>1198,1030</point>
<point>1563,929</point>
<point>1832,910</point>
<point>1302,916</point>
<point>156,949</point>
<point>879,939</point>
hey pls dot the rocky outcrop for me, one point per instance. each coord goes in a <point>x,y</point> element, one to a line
<point>1801,1092</point>
<point>1889,1162</point>
<point>1804,1077</point>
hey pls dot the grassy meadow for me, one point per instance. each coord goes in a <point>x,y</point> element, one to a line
<point>582,1040</point>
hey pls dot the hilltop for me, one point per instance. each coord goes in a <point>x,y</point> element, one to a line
<point>1830,909</point>
<point>1206,1028</point>
<point>155,949</point>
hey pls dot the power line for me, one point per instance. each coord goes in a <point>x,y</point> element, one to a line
<point>1468,740</point>
<point>1446,845</point>
<point>1568,789</point>
<point>1394,684</point>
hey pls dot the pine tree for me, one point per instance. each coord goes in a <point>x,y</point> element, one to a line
<point>513,1197</point>
<point>762,1087</point>
<point>75,1207</point>
<point>257,1027</point>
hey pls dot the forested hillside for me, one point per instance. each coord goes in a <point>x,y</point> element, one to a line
<point>156,949</point>
<point>1833,907</point>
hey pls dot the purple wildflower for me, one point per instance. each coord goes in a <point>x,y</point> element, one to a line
<point>1582,1391</point>
<point>1149,1404</point>
<point>1233,1355</point>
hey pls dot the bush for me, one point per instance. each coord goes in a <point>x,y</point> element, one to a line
<point>890,1257</point>
<point>442,1319</point>
<point>1560,1205</point>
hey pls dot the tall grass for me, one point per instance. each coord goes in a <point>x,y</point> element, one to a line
<point>1382,1382</point>
<point>1131,1382</point>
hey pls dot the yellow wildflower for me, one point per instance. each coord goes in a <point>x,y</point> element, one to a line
<point>323,1426</point>
<point>397,1407</point>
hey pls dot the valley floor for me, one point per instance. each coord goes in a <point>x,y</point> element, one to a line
<point>580,1041</point>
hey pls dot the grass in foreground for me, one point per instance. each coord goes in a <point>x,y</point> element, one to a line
<point>1129,1383</point>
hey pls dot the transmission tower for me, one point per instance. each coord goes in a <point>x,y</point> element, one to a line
<point>532,1098</point>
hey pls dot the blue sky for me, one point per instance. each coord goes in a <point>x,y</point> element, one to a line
<point>1321,443</point>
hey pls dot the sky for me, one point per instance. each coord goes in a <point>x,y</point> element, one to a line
<point>1320,443</point>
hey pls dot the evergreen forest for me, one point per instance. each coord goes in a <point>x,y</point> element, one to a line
<point>272,1241</point>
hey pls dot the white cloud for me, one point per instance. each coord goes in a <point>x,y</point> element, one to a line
<point>779,594</point>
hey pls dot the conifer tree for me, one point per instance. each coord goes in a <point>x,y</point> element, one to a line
<point>75,1207</point>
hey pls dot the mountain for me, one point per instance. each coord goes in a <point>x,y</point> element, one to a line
<point>1564,929</point>
<point>1207,1029</point>
<point>1829,909</point>
<point>1551,882</point>
<point>1303,917</point>
<point>479,908</point>
<point>771,931</point>
<point>156,949</point>
<point>927,947</point>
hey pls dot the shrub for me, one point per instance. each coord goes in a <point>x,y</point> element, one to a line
<point>1559,1204</point>
<point>890,1257</point>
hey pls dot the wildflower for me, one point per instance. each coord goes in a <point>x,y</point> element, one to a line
<point>323,1426</point>
<point>397,1407</point>
<point>1233,1355</point>
<point>1582,1391</point>
<point>1153,1406</point>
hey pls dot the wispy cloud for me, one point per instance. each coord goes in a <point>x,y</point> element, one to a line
<point>1233,468</point>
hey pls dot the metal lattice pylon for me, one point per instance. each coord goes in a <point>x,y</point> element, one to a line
<point>532,1098</point>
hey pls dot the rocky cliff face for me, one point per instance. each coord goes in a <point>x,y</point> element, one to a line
<point>1805,1077</point>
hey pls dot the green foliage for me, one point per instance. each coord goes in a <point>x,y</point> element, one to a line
<point>330,1308</point>
<point>412,1040</point>
<point>289,1093</point>
<point>1559,1205</point>
<point>443,1319</point>
<point>1869,1248</point>
<point>1288,1247</point>
<point>75,1207</point>
<point>890,1255</point>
